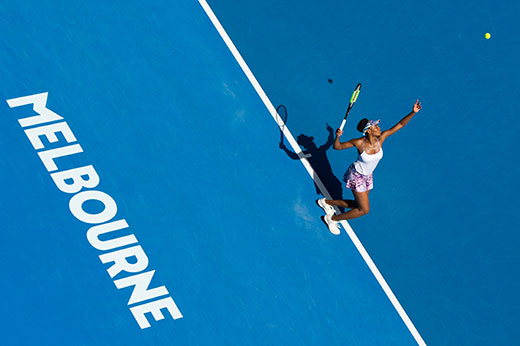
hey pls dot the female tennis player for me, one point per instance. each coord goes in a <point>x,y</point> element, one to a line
<point>359,174</point>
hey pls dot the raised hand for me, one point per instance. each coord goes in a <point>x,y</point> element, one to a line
<point>339,132</point>
<point>417,106</point>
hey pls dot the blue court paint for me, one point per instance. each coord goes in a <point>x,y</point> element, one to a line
<point>443,222</point>
<point>311,159</point>
<point>186,149</point>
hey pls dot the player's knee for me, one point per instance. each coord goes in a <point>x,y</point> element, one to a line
<point>364,210</point>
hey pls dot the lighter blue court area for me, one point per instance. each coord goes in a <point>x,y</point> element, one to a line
<point>197,200</point>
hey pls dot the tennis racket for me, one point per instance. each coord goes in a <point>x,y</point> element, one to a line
<point>281,110</point>
<point>351,104</point>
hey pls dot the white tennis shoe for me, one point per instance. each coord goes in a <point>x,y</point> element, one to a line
<point>328,209</point>
<point>331,224</point>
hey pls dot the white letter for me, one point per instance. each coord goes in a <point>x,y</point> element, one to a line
<point>39,102</point>
<point>120,263</point>
<point>48,156</point>
<point>141,283</point>
<point>94,232</point>
<point>155,308</point>
<point>76,206</point>
<point>76,175</point>
<point>50,132</point>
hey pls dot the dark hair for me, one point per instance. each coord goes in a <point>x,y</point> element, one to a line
<point>361,125</point>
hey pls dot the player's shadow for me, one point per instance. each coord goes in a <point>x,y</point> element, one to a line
<point>317,157</point>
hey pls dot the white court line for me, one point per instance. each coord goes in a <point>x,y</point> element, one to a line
<point>311,172</point>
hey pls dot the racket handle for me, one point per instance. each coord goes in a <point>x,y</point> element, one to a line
<point>342,124</point>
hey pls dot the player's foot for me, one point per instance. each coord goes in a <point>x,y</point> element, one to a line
<point>328,209</point>
<point>331,224</point>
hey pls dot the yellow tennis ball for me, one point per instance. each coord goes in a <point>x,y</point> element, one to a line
<point>487,35</point>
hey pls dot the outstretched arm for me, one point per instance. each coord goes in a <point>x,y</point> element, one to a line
<point>416,108</point>
<point>345,145</point>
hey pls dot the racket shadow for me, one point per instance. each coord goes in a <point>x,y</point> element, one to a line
<point>319,161</point>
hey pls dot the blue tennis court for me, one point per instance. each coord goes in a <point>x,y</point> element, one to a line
<point>147,198</point>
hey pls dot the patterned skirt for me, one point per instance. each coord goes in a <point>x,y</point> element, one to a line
<point>357,181</point>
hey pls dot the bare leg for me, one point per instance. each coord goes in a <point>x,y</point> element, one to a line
<point>343,203</point>
<point>362,208</point>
